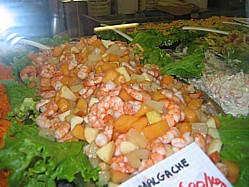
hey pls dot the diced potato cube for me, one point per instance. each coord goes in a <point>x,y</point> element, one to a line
<point>122,71</point>
<point>133,160</point>
<point>213,132</point>
<point>118,177</point>
<point>76,87</point>
<point>142,153</point>
<point>106,152</point>
<point>147,76</point>
<point>67,93</point>
<point>63,115</point>
<point>211,122</point>
<point>137,138</point>
<point>90,134</point>
<point>137,77</point>
<point>155,105</point>
<point>215,145</point>
<point>200,127</point>
<point>127,146</point>
<point>75,120</point>
<point>92,101</point>
<point>153,116</point>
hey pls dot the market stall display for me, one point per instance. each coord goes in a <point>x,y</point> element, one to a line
<point>88,108</point>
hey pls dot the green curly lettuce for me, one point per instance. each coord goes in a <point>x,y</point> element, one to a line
<point>234,135</point>
<point>22,101</point>
<point>35,161</point>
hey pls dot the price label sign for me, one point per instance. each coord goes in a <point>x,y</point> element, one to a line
<point>189,167</point>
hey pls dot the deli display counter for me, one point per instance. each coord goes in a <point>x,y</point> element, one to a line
<point>162,103</point>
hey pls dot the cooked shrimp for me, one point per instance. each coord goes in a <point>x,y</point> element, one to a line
<point>48,94</point>
<point>93,80</point>
<point>136,93</point>
<point>49,109</point>
<point>56,82</point>
<point>105,134</point>
<point>45,122</point>
<point>62,128</point>
<point>158,153</point>
<point>86,92</point>
<point>72,62</point>
<point>181,142</point>
<point>109,88</point>
<point>117,142</point>
<point>130,69</point>
<point>92,116</point>
<point>28,73</point>
<point>48,70</point>
<point>170,96</point>
<point>200,140</point>
<point>120,163</point>
<point>84,71</point>
<point>112,105</point>
<point>172,133</point>
<point>171,112</point>
<point>131,107</point>
<point>151,69</point>
<point>38,58</point>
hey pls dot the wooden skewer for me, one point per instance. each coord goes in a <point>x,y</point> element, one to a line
<point>206,29</point>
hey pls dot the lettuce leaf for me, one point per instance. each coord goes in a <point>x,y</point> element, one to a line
<point>187,67</point>
<point>234,134</point>
<point>36,161</point>
<point>22,101</point>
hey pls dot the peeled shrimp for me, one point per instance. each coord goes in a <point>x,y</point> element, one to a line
<point>157,153</point>
<point>48,70</point>
<point>120,163</point>
<point>181,142</point>
<point>49,109</point>
<point>87,91</point>
<point>171,112</point>
<point>200,140</point>
<point>112,105</point>
<point>28,73</point>
<point>131,107</point>
<point>93,80</point>
<point>45,122</point>
<point>105,135</point>
<point>117,142</point>
<point>172,133</point>
<point>62,128</point>
<point>84,71</point>
<point>136,93</point>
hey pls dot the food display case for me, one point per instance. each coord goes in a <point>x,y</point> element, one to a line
<point>114,93</point>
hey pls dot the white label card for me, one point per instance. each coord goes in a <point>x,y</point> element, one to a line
<point>189,167</point>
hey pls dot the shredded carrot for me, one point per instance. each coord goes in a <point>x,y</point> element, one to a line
<point>3,178</point>
<point>5,105</point>
<point>4,127</point>
<point>5,72</point>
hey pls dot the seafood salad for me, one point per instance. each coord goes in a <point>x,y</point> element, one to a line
<point>131,115</point>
